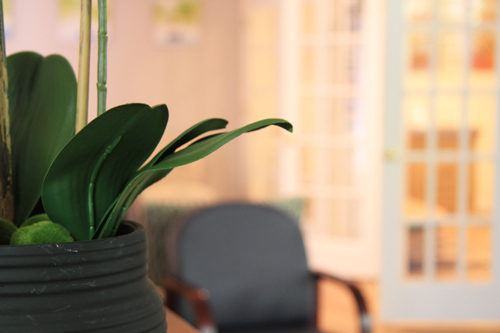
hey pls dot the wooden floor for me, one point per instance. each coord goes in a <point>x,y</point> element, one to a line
<point>338,314</point>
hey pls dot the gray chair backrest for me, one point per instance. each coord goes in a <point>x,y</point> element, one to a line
<point>251,259</point>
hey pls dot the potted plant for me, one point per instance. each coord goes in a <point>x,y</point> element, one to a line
<point>69,263</point>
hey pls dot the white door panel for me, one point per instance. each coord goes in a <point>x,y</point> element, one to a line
<point>441,241</point>
<point>328,90</point>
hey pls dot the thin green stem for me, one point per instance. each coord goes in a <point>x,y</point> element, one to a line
<point>6,187</point>
<point>102,57</point>
<point>82,100</point>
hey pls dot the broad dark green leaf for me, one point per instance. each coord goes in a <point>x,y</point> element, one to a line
<point>168,160</point>
<point>94,167</point>
<point>205,147</point>
<point>42,103</point>
<point>191,133</point>
<point>111,221</point>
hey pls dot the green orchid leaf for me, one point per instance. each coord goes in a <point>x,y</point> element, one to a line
<point>42,104</point>
<point>93,168</point>
<point>168,161</point>
<point>132,191</point>
<point>206,146</point>
<point>190,134</point>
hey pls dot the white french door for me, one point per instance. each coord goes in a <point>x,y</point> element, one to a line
<point>327,51</point>
<point>441,235</point>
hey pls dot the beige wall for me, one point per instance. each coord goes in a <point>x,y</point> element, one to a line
<point>196,82</point>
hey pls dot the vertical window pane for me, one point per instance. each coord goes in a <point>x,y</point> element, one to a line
<point>308,159</point>
<point>448,120</point>
<point>482,120</point>
<point>418,60</point>
<point>342,59</point>
<point>484,11</point>
<point>415,252</point>
<point>446,252</point>
<point>416,118</point>
<point>451,11</point>
<point>483,55</point>
<point>481,185</point>
<point>341,118</point>
<point>311,210</point>
<point>355,11</point>
<point>308,65</point>
<point>334,68</point>
<point>309,115</point>
<point>418,11</point>
<point>450,59</point>
<point>342,171</point>
<point>344,213</point>
<point>447,188</point>
<point>308,17</point>
<point>343,15</point>
<point>415,203</point>
<point>479,253</point>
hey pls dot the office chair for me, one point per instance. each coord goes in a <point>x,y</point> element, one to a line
<point>241,267</point>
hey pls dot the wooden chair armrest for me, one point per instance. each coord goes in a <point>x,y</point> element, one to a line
<point>364,317</point>
<point>198,299</point>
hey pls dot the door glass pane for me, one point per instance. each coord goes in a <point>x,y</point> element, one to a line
<point>415,203</point>
<point>355,15</point>
<point>451,11</point>
<point>483,64</point>
<point>345,214</point>
<point>343,15</point>
<point>308,65</point>
<point>418,59</point>
<point>308,120</point>
<point>308,160</point>
<point>311,209</point>
<point>482,123</point>
<point>342,60</point>
<point>447,188</point>
<point>416,118</point>
<point>446,252</point>
<point>481,185</point>
<point>308,17</point>
<point>415,242</point>
<point>484,11</point>
<point>336,64</point>
<point>448,118</point>
<point>450,59</point>
<point>342,169</point>
<point>479,253</point>
<point>418,11</point>
<point>341,120</point>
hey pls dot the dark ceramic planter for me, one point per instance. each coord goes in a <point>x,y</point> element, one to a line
<point>90,286</point>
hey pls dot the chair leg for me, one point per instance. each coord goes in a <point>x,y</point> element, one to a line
<point>364,317</point>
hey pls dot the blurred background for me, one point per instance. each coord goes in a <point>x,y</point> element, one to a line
<point>392,167</point>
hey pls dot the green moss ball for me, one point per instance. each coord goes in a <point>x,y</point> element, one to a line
<point>35,219</point>
<point>7,228</point>
<point>44,232</point>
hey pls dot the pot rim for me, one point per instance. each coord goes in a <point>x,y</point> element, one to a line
<point>131,232</point>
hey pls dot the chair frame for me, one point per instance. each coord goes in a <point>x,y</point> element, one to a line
<point>199,300</point>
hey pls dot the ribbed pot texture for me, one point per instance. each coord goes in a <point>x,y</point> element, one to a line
<point>88,286</point>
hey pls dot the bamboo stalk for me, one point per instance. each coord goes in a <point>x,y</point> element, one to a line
<point>82,100</point>
<point>6,187</point>
<point>102,57</point>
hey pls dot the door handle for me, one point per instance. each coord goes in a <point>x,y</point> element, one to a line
<point>391,155</point>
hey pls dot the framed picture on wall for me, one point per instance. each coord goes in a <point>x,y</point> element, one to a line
<point>177,22</point>
<point>68,19</point>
